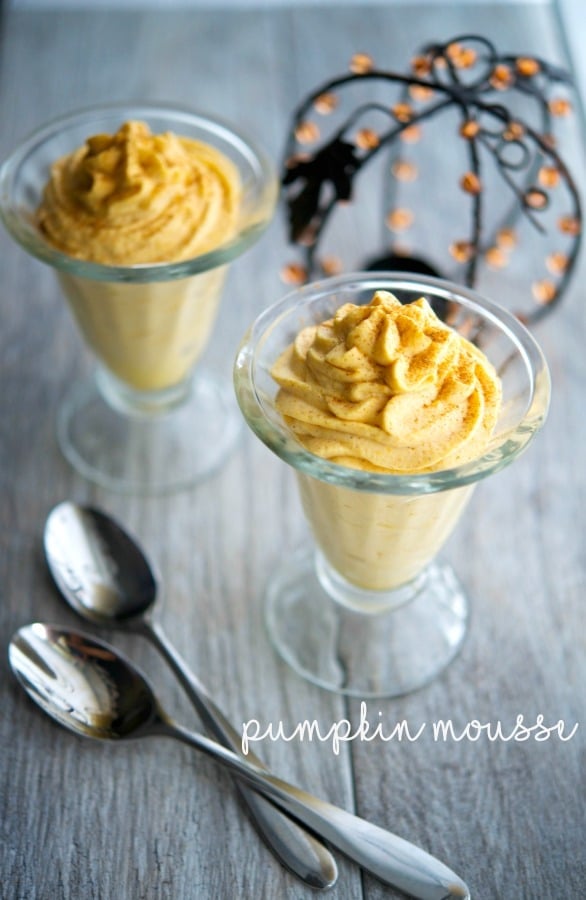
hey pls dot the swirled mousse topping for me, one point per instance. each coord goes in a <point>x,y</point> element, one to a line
<point>388,387</point>
<point>134,197</point>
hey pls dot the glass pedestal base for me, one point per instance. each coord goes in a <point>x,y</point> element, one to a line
<point>365,654</point>
<point>150,452</point>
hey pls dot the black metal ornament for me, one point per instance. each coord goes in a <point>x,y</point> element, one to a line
<point>468,75</point>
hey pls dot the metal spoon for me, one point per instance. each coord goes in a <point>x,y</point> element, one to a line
<point>104,575</point>
<point>96,692</point>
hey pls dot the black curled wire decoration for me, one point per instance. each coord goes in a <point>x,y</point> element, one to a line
<point>468,75</point>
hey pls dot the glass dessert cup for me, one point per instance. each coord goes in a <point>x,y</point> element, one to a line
<point>149,420</point>
<point>368,611</point>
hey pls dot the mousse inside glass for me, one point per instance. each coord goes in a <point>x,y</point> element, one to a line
<point>150,420</point>
<point>369,611</point>
<point>146,336</point>
<point>379,542</point>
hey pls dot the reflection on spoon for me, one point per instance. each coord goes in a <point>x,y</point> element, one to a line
<point>96,692</point>
<point>105,577</point>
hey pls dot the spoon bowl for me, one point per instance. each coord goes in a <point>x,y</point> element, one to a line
<point>99,568</point>
<point>82,684</point>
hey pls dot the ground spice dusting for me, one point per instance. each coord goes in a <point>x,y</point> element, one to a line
<point>388,387</point>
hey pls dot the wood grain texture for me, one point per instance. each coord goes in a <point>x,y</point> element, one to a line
<point>153,821</point>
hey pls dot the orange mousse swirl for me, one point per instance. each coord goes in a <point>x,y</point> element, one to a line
<point>136,198</point>
<point>388,387</point>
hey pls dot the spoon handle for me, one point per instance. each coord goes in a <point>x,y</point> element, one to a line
<point>391,859</point>
<point>212,717</point>
<point>298,851</point>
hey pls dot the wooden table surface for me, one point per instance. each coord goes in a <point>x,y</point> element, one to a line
<point>153,820</point>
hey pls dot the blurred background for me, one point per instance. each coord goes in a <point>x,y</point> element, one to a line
<point>571,13</point>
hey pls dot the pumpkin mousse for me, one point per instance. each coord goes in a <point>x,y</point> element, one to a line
<point>388,388</point>
<point>134,198</point>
